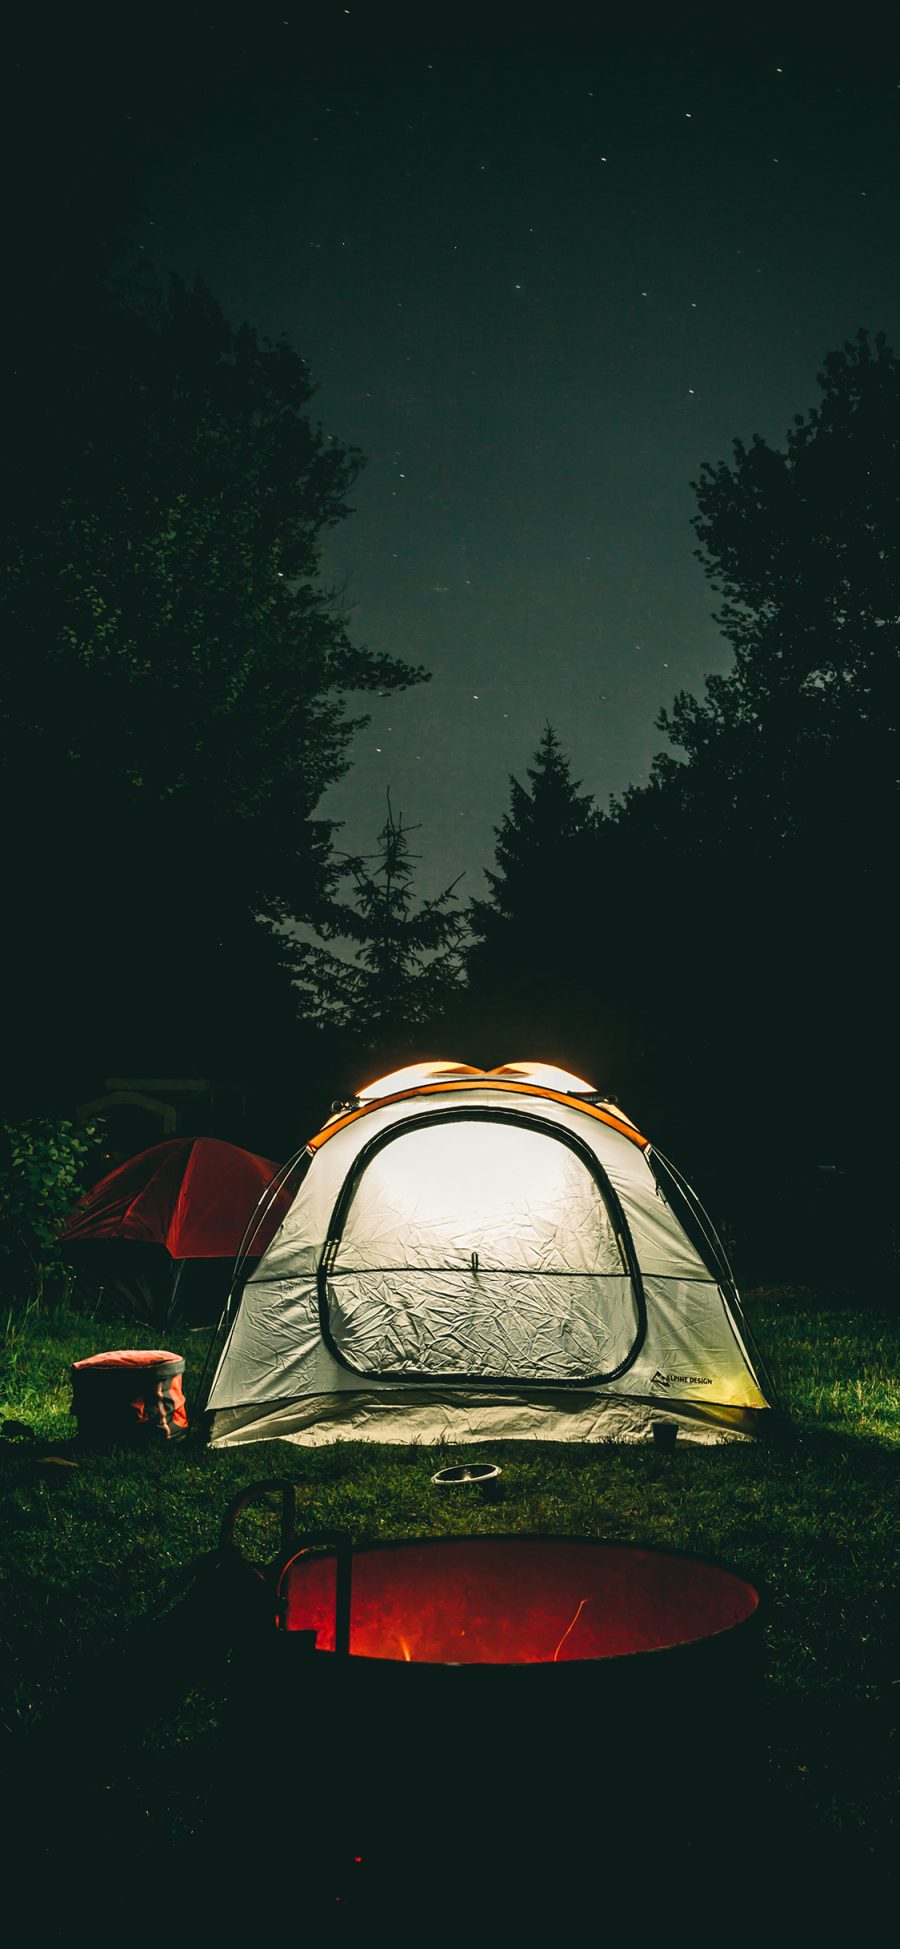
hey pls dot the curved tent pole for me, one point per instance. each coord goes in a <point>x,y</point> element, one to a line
<point>703,1218</point>
<point>262,1207</point>
<point>709,1232</point>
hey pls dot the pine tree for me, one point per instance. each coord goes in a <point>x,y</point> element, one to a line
<point>532,985</point>
<point>407,959</point>
<point>539,888</point>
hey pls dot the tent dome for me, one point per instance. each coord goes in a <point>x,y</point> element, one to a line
<point>416,1074</point>
<point>474,1254</point>
<point>193,1195</point>
<point>546,1075</point>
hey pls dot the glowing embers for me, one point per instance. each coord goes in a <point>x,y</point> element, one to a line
<point>517,1601</point>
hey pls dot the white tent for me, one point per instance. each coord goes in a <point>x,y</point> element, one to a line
<point>473,1255</point>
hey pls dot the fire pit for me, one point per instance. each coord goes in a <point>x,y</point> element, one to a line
<point>515,1601</point>
<point>600,1693</point>
<point>510,1602</point>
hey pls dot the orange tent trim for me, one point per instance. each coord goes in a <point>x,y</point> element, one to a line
<point>481,1083</point>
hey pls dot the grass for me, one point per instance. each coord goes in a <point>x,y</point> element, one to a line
<point>91,1550</point>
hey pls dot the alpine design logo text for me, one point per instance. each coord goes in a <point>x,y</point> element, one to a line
<point>679,1380</point>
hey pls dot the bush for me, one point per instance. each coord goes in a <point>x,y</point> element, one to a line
<point>44,1165</point>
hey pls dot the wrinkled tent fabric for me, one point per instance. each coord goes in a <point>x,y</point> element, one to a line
<point>194,1195</point>
<point>473,1256</point>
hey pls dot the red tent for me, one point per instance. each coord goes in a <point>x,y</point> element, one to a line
<point>194,1195</point>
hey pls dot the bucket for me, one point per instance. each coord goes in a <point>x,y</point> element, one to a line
<point>131,1395</point>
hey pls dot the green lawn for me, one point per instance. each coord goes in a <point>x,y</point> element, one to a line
<point>91,1549</point>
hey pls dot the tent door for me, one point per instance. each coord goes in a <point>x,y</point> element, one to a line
<point>482,1245</point>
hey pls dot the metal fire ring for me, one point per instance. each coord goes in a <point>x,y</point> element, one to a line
<point>472,1475</point>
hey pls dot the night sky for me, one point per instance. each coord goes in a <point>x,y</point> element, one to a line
<point>537,286</point>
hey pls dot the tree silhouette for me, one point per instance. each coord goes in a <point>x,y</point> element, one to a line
<point>174,700</point>
<point>528,965</point>
<point>407,959</point>
<point>802,545</point>
<point>769,839</point>
<point>538,882</point>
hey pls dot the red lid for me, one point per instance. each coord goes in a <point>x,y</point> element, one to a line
<point>127,1357</point>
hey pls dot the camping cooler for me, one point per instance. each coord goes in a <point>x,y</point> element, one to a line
<point>131,1395</point>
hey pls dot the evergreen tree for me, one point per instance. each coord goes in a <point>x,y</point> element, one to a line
<point>538,887</point>
<point>531,984</point>
<point>407,959</point>
<point>174,694</point>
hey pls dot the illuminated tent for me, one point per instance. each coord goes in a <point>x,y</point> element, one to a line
<point>473,1255</point>
<point>190,1199</point>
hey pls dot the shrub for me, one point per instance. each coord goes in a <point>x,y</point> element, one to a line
<point>44,1165</point>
